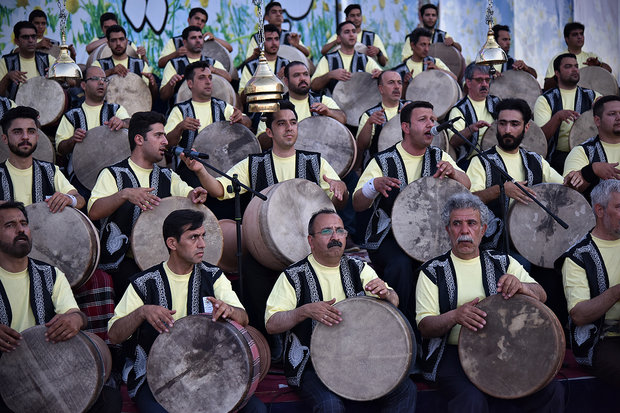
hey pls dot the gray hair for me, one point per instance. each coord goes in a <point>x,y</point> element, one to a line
<point>601,194</point>
<point>473,67</point>
<point>465,200</point>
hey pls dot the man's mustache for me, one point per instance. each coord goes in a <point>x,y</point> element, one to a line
<point>465,238</point>
<point>334,243</point>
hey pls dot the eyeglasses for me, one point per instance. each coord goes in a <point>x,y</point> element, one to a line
<point>97,79</point>
<point>328,232</point>
<point>481,79</point>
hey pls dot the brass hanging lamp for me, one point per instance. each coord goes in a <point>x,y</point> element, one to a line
<point>490,54</point>
<point>64,68</point>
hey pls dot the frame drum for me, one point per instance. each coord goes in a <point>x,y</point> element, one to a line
<point>44,95</point>
<point>275,230</point>
<point>450,56</point>
<point>534,139</point>
<point>204,365</point>
<point>292,54</point>
<point>583,129</point>
<point>44,152</point>
<point>537,236</point>
<point>103,51</point>
<point>39,376</point>
<point>416,217</point>
<point>356,95</point>
<point>331,139</point>
<point>77,254</point>
<point>367,354</point>
<point>147,241</point>
<point>437,88</point>
<point>221,89</point>
<point>131,92</point>
<point>598,79</point>
<point>519,350</point>
<point>516,84</point>
<point>216,51</point>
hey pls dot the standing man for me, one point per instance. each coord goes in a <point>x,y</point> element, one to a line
<point>557,109</point>
<point>385,176</point>
<point>448,290</point>
<point>591,276</point>
<point>295,307</point>
<point>428,15</point>
<point>372,41</point>
<point>17,68</point>
<point>339,65</point>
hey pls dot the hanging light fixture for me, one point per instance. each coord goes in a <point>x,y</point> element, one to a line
<point>490,53</point>
<point>264,89</point>
<point>64,68</point>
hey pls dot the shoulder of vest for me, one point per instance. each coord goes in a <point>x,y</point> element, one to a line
<point>298,264</point>
<point>551,91</point>
<point>590,141</point>
<point>332,54</point>
<point>388,150</point>
<point>441,258</point>
<point>308,153</point>
<point>44,163</point>
<point>373,109</point>
<point>40,263</point>
<point>159,267</point>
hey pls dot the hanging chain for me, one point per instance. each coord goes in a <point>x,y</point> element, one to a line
<point>63,19</point>
<point>261,29</point>
<point>489,16</point>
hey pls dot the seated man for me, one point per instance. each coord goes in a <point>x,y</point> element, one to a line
<point>428,16</point>
<point>448,290</point>
<point>162,294</point>
<point>294,307</point>
<point>107,20</point>
<point>339,65</point>
<point>502,37</point>
<point>591,276</point>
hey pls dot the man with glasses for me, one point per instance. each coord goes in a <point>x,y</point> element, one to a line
<point>304,295</point>
<point>17,68</point>
<point>476,110</point>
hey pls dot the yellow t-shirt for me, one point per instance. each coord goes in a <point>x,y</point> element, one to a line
<point>285,170</point>
<point>413,167</point>
<point>302,108</point>
<point>93,118</point>
<point>145,69</point>
<point>577,157</point>
<point>106,184</point>
<point>283,298</point>
<point>480,107</point>
<point>26,65</point>
<point>469,282</point>
<point>17,287</point>
<point>202,110</point>
<point>323,67</point>
<point>576,288</point>
<point>22,183</point>
<point>377,42</point>
<point>389,114</point>
<point>169,47</point>
<point>170,71</point>
<point>416,67</point>
<point>581,61</point>
<point>514,167</point>
<point>131,301</point>
<point>407,51</point>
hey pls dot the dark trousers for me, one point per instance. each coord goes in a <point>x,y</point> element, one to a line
<point>314,392</point>
<point>462,396</point>
<point>606,361</point>
<point>258,281</point>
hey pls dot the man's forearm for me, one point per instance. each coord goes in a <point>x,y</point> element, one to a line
<point>285,320</point>
<point>124,327</point>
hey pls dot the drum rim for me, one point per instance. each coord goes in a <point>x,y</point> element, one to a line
<point>57,87</point>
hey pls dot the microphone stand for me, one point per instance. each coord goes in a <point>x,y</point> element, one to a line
<point>236,188</point>
<point>502,193</point>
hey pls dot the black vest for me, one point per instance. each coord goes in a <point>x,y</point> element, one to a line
<point>585,254</point>
<point>368,38</point>
<point>373,149</point>
<point>584,98</point>
<point>13,63</point>
<point>134,65</point>
<point>507,65</point>
<point>469,113</point>
<point>334,61</point>
<point>5,105</point>
<point>253,64</point>
<point>312,99</point>
<point>42,278</point>
<point>116,229</point>
<point>178,41</point>
<point>442,273</point>
<point>263,174</point>
<point>218,109</point>
<point>303,278</point>
<point>153,288</point>
<point>181,62</point>
<point>42,181</point>
<point>438,36</point>
<point>402,68</point>
<point>77,116</point>
<point>393,166</point>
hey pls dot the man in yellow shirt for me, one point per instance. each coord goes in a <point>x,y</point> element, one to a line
<point>107,20</point>
<point>428,15</point>
<point>17,68</point>
<point>557,109</point>
<point>598,157</point>
<point>294,307</point>
<point>591,277</point>
<point>28,180</point>
<point>501,33</point>
<point>458,280</point>
<point>338,66</point>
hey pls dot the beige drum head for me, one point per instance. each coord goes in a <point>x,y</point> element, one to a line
<point>53,51</point>
<point>104,51</point>
<point>44,151</point>
<point>131,92</point>
<point>356,95</point>
<point>391,134</point>
<point>519,350</point>
<point>372,331</point>
<point>534,139</point>
<point>275,230</point>
<point>331,139</point>
<point>450,56</point>
<point>292,54</point>
<point>220,89</point>
<point>583,129</point>
<point>76,254</point>
<point>147,241</point>
<point>40,376</point>
<point>598,79</point>
<point>95,55</point>
<point>359,48</point>
<point>435,87</point>
<point>226,144</point>
<point>216,51</point>
<point>516,84</point>
<point>44,95</point>
<point>416,217</point>
<point>100,148</point>
<point>537,236</point>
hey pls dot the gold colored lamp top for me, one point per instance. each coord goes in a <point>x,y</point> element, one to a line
<point>264,89</point>
<point>64,68</point>
<point>491,53</point>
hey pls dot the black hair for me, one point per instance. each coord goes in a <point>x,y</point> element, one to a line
<point>498,28</point>
<point>415,35</point>
<point>284,105</point>
<point>599,104</point>
<point>569,27</point>
<point>352,7</point>
<point>107,16</point>
<point>115,29</point>
<point>180,221</point>
<point>140,124</point>
<point>405,113</point>
<point>14,205</point>
<point>341,25</point>
<point>19,112</point>
<point>291,65</point>
<point>188,30</point>
<point>36,13</point>
<point>189,70</point>
<point>557,62</point>
<point>428,6</point>
<point>271,28</point>
<point>270,5</point>
<point>197,10</point>
<point>514,104</point>
<point>315,215</point>
<point>19,26</point>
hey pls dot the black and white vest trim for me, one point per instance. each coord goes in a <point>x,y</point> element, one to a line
<point>334,61</point>
<point>13,63</point>
<point>42,181</point>
<point>134,65</point>
<point>469,113</point>
<point>263,174</point>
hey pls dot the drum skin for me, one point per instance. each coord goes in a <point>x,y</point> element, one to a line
<point>44,95</point>
<point>533,141</point>
<point>216,51</point>
<point>292,54</point>
<point>40,376</point>
<point>516,84</point>
<point>450,56</point>
<point>356,95</point>
<point>221,89</point>
<point>436,87</point>
<point>518,351</point>
<point>599,80</point>
<point>44,152</point>
<point>367,354</point>
<point>583,129</point>
<point>131,92</point>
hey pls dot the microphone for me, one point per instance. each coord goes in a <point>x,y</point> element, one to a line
<point>177,150</point>
<point>436,130</point>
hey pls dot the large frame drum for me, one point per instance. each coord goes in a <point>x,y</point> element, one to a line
<point>598,79</point>
<point>516,84</point>
<point>583,129</point>
<point>356,95</point>
<point>44,95</point>
<point>131,92</point>
<point>436,87</point>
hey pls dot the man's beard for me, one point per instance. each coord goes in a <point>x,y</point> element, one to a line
<point>22,153</point>
<point>516,141</point>
<point>303,90</point>
<point>17,250</point>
